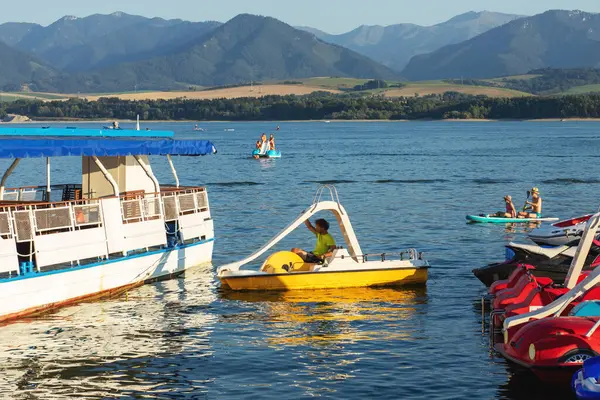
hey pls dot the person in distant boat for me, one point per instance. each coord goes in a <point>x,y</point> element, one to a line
<point>278,127</point>
<point>511,211</point>
<point>115,125</point>
<point>533,208</point>
<point>272,142</point>
<point>258,147</point>
<point>196,127</point>
<point>324,246</point>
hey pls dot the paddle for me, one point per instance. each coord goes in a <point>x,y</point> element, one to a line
<point>526,200</point>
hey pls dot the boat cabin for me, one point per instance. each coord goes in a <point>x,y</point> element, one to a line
<point>117,210</point>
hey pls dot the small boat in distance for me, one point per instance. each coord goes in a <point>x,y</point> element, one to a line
<point>229,130</point>
<point>265,151</point>
<point>345,268</point>
<point>116,229</point>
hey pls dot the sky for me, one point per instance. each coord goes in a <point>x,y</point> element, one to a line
<point>333,16</point>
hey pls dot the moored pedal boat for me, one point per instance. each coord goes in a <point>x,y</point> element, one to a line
<point>551,262</point>
<point>346,267</point>
<point>555,339</point>
<point>117,229</point>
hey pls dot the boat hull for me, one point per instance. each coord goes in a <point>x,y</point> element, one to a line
<point>64,287</point>
<point>268,154</point>
<point>500,271</point>
<point>328,280</point>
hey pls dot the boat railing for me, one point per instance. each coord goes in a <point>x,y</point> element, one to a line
<point>6,227</point>
<point>410,254</point>
<point>29,219</point>
<point>56,234</point>
<point>51,233</point>
<point>147,207</point>
<point>184,201</point>
<point>40,193</point>
<point>20,194</point>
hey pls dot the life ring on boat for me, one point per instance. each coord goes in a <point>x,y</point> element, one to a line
<point>79,216</point>
<point>282,262</point>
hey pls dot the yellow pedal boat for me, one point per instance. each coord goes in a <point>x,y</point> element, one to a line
<point>347,267</point>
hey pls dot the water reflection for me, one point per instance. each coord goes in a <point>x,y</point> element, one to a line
<point>102,348</point>
<point>334,316</point>
<point>326,337</point>
<point>524,385</point>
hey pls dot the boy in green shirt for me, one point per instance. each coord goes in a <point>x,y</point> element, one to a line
<point>324,246</point>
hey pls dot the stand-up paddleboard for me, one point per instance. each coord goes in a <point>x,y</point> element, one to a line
<point>492,219</point>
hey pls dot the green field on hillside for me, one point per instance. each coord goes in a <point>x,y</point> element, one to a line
<point>513,78</point>
<point>424,88</point>
<point>583,89</point>
<point>7,98</point>
<point>46,96</point>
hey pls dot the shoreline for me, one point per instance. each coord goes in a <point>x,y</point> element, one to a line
<point>110,121</point>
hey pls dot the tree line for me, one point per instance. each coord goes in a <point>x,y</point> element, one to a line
<point>317,106</point>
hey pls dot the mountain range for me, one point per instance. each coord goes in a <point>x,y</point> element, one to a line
<point>395,45</point>
<point>120,52</point>
<point>554,39</point>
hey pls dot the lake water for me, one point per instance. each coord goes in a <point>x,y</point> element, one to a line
<point>404,185</point>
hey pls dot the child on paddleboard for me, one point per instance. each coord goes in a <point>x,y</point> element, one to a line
<point>272,142</point>
<point>258,147</point>
<point>511,211</point>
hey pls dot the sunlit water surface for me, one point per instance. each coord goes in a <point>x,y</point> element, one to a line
<point>404,185</point>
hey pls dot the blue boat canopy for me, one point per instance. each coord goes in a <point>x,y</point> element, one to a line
<point>35,147</point>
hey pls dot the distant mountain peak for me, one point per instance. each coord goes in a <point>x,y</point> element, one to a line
<point>395,45</point>
<point>69,18</point>
<point>560,39</point>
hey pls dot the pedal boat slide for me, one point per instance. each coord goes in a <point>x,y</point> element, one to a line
<point>346,267</point>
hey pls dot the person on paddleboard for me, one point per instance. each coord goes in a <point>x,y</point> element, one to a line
<point>533,208</point>
<point>511,211</point>
<point>272,142</point>
<point>324,246</point>
<point>258,147</point>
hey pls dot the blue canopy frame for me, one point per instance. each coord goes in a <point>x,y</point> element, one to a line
<point>22,147</point>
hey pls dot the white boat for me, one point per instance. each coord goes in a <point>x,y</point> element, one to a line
<point>560,233</point>
<point>115,230</point>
